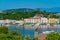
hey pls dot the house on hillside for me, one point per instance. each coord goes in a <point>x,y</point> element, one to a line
<point>52,21</point>
<point>44,20</point>
<point>34,19</point>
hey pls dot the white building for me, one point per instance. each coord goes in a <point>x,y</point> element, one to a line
<point>10,21</point>
<point>32,20</point>
<point>36,20</point>
<point>44,20</point>
<point>7,21</point>
<point>2,21</point>
<point>20,21</point>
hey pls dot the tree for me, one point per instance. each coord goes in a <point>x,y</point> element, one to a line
<point>53,36</point>
<point>3,29</point>
<point>7,37</point>
<point>35,38</point>
<point>38,10</point>
<point>27,38</point>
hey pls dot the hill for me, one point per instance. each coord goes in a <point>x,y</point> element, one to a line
<point>18,14</point>
<point>20,10</point>
<point>55,10</point>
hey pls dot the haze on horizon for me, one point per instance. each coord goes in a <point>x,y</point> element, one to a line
<point>12,4</point>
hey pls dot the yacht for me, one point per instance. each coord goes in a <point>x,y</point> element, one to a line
<point>47,32</point>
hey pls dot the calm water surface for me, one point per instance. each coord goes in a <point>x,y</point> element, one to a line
<point>30,32</point>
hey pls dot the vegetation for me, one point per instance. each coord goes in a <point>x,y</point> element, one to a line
<point>3,30</point>
<point>53,36</point>
<point>7,37</point>
<point>4,35</point>
<point>19,15</point>
<point>35,38</point>
<point>13,35</point>
<point>16,15</point>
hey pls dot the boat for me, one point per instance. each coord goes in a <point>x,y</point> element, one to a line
<point>47,32</point>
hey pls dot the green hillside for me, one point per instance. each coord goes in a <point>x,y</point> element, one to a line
<point>19,15</point>
<point>16,15</point>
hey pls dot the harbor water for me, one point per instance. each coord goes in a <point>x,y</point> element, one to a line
<point>29,30</point>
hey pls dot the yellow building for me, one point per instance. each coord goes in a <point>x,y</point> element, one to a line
<point>52,20</point>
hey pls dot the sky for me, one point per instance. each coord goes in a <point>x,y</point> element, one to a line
<point>12,4</point>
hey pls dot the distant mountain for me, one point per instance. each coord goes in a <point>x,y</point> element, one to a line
<point>20,10</point>
<point>55,10</point>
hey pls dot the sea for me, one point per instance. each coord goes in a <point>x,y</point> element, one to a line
<point>29,31</point>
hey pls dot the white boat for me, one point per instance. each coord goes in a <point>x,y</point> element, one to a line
<point>47,32</point>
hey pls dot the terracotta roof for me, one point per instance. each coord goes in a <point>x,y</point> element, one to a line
<point>41,36</point>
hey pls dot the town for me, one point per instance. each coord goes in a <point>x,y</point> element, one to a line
<point>29,19</point>
<point>36,20</point>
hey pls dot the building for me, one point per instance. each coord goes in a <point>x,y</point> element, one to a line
<point>7,21</point>
<point>32,20</point>
<point>36,19</point>
<point>10,21</point>
<point>44,20</point>
<point>20,21</point>
<point>52,21</point>
<point>2,21</point>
